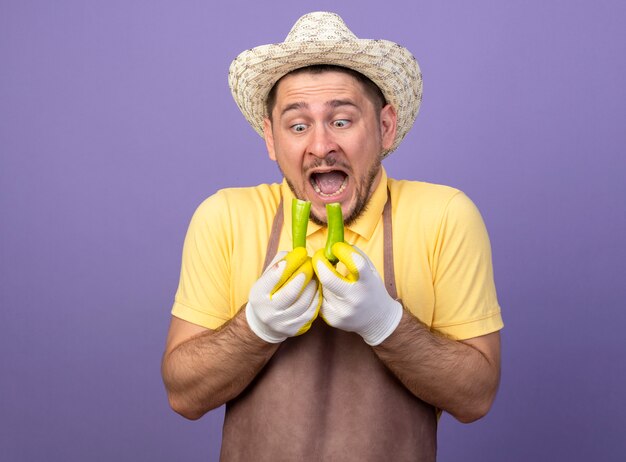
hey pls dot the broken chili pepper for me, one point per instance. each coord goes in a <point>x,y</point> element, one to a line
<point>335,230</point>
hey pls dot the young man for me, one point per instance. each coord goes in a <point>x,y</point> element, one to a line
<point>315,362</point>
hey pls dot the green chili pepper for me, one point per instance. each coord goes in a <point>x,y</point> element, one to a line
<point>335,230</point>
<point>299,221</point>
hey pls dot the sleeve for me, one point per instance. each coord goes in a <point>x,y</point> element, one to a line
<point>466,303</point>
<point>202,297</point>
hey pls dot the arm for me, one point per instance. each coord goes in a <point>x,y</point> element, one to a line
<point>202,368</point>
<point>460,377</point>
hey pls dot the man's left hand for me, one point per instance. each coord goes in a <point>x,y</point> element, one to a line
<point>358,302</point>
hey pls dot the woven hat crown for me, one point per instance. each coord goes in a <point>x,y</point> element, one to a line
<point>324,38</point>
<point>320,27</point>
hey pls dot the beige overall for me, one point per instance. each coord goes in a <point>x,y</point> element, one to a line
<point>325,396</point>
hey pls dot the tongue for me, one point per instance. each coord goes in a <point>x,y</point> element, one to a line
<point>330,182</point>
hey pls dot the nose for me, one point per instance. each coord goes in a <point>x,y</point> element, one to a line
<point>322,143</point>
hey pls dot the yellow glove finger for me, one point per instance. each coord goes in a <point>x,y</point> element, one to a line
<point>319,258</point>
<point>344,253</point>
<point>297,262</point>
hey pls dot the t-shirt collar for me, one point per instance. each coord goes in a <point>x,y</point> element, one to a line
<point>366,223</point>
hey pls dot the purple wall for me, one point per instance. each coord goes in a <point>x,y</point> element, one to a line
<point>116,121</point>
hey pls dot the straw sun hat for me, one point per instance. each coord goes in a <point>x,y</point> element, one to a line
<point>323,38</point>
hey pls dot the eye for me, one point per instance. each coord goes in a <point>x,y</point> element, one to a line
<point>298,127</point>
<point>341,123</point>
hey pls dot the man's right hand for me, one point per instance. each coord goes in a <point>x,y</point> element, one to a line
<point>286,299</point>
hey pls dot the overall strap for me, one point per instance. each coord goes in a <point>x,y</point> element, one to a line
<point>390,275</point>
<point>272,244</point>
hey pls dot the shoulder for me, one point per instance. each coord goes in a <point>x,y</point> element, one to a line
<point>234,201</point>
<point>433,208</point>
<point>425,198</point>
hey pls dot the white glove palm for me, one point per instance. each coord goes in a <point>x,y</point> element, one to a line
<point>359,301</point>
<point>286,299</point>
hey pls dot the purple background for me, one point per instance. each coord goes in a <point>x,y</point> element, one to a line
<point>116,121</point>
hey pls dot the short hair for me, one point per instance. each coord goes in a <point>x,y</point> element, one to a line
<point>372,91</point>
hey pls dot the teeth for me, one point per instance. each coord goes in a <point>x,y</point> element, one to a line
<point>339,191</point>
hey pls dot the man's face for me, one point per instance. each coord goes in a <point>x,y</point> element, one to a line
<point>327,137</point>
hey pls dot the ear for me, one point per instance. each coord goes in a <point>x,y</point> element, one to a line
<point>269,138</point>
<point>388,125</point>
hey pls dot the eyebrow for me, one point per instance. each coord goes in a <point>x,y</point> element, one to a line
<point>335,103</point>
<point>294,107</point>
<point>341,102</point>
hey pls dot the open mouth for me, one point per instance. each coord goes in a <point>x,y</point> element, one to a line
<point>329,184</point>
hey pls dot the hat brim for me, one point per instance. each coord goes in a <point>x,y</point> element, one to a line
<point>390,66</point>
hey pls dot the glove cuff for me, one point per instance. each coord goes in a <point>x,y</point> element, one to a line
<point>384,327</point>
<point>260,329</point>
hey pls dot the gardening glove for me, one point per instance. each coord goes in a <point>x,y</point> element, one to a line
<point>358,302</point>
<point>286,299</point>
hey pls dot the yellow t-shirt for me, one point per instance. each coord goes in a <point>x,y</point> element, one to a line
<point>442,255</point>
